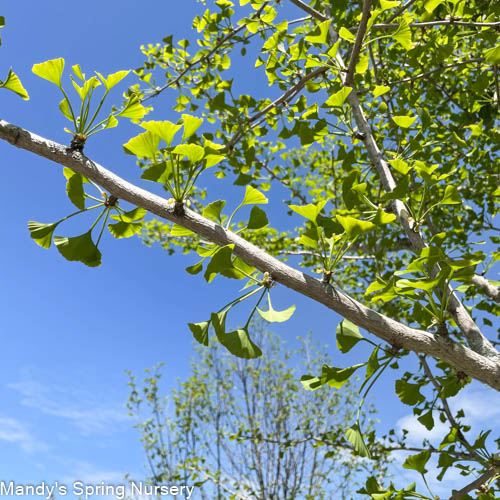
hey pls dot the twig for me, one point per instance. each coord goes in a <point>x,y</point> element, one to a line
<point>285,183</point>
<point>440,22</point>
<point>306,8</point>
<point>367,5</point>
<point>474,485</point>
<point>288,95</point>
<point>404,7</point>
<point>314,254</point>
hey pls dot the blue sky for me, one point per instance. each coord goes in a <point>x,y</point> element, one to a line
<point>69,332</point>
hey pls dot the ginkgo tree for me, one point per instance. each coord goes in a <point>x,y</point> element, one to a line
<point>383,131</point>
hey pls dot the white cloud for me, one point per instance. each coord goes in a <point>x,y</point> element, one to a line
<point>14,431</point>
<point>89,416</point>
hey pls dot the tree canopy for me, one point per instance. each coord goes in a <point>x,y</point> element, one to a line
<point>382,130</point>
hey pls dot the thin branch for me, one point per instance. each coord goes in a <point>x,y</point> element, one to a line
<point>287,96</point>
<point>403,8</point>
<point>367,5</point>
<point>441,22</point>
<point>314,254</point>
<point>482,368</point>
<point>285,183</point>
<point>306,8</point>
<point>474,485</point>
<point>493,292</point>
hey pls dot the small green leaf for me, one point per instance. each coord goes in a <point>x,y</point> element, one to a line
<point>200,331</point>
<point>354,227</point>
<point>345,34</point>
<point>339,97</point>
<point>212,160</point>
<point>113,79</point>
<point>380,90</point>
<point>78,71</point>
<point>144,145</point>
<point>50,70</point>
<point>13,84</point>
<point>258,218</point>
<point>111,122</point>
<point>125,229</point>
<point>133,109</point>
<point>430,5</point>
<point>400,165</point>
<point>134,215</point>
<point>404,121</point>
<point>74,190</point>
<point>42,233</point>
<point>164,129</point>
<point>191,125</point>
<point>451,196</point>
<point>221,263</point>
<point>427,420</point>
<point>254,197</point>
<point>354,436</point>
<point>493,55</point>
<point>347,335</point>
<point>194,152</point>
<point>276,316</point>
<point>382,217</point>
<point>403,35</point>
<point>417,462</point>
<point>320,33</point>
<point>65,109</point>
<point>195,268</point>
<point>373,365</point>
<point>308,211</point>
<point>408,393</point>
<point>79,248</point>
<point>213,210</point>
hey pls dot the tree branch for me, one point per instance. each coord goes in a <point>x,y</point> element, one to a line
<point>474,485</point>
<point>349,77</point>
<point>493,292</point>
<point>441,22</point>
<point>404,7</point>
<point>462,358</point>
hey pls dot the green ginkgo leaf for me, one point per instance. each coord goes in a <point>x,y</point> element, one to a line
<point>65,109</point>
<point>345,34</point>
<point>79,248</point>
<point>134,215</point>
<point>404,121</point>
<point>380,90</point>
<point>308,211</point>
<point>13,84</point>
<point>125,229</point>
<point>258,218</point>
<point>193,152</point>
<point>320,33</point>
<point>451,196</point>
<point>417,462</point>
<point>493,55</point>
<point>191,125</point>
<point>254,197</point>
<point>274,316</point>
<point>144,145</point>
<point>133,110</point>
<point>42,233</point>
<point>338,99</point>
<point>78,71</point>
<point>354,227</point>
<point>164,129</point>
<point>200,331</point>
<point>354,436</point>
<point>113,79</point>
<point>51,70</point>
<point>347,335</point>
<point>213,210</point>
<point>403,34</point>
<point>74,190</point>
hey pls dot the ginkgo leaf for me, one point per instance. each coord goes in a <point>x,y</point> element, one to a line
<point>113,79</point>
<point>144,145</point>
<point>42,233</point>
<point>51,70</point>
<point>191,125</point>
<point>274,316</point>
<point>403,34</point>
<point>253,196</point>
<point>164,129</point>
<point>13,83</point>
<point>193,152</point>
<point>79,248</point>
<point>404,121</point>
<point>339,97</point>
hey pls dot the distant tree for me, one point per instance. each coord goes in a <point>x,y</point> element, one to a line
<point>248,429</point>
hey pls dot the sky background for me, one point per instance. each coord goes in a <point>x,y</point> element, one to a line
<point>69,332</point>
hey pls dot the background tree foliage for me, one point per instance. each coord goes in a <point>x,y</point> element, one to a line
<point>245,429</point>
<point>383,131</point>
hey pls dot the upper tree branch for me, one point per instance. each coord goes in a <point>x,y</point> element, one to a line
<point>484,478</point>
<point>358,43</point>
<point>475,338</point>
<point>493,292</point>
<point>395,333</point>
